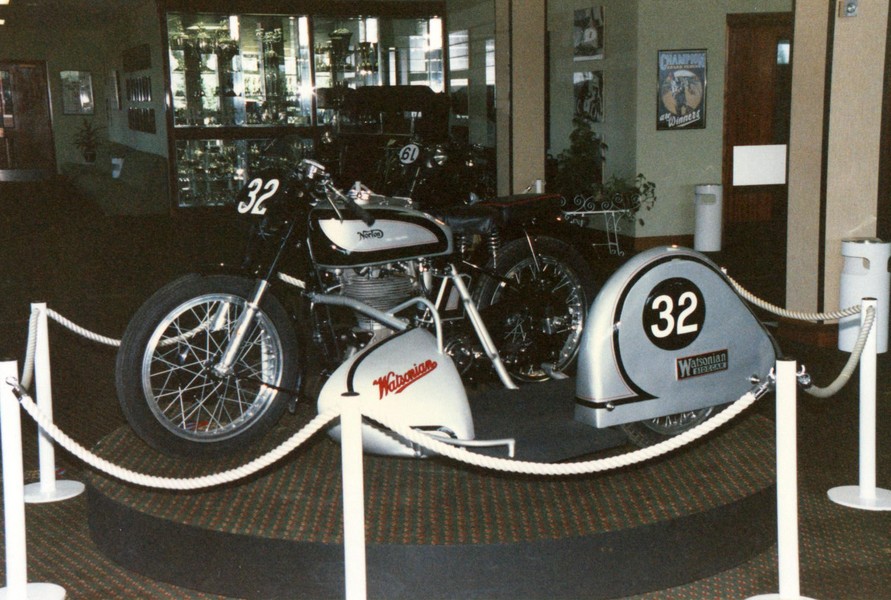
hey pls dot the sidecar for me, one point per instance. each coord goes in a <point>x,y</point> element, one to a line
<point>667,334</point>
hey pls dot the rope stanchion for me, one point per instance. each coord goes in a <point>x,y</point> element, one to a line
<point>48,489</point>
<point>865,495</point>
<point>17,585</point>
<point>787,484</point>
<point>353,500</point>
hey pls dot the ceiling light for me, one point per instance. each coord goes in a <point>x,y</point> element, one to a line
<point>4,1</point>
<point>2,21</point>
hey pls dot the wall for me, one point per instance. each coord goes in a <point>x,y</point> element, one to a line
<point>855,120</point>
<point>806,156</point>
<point>139,25</point>
<point>76,46</point>
<point>679,160</point>
<point>478,19</point>
<point>619,66</point>
<point>71,48</point>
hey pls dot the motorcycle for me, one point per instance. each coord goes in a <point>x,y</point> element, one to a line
<point>440,174</point>
<point>210,361</point>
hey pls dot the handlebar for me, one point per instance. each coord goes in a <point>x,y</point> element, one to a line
<point>315,171</point>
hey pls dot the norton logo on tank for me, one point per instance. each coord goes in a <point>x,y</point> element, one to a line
<point>681,103</point>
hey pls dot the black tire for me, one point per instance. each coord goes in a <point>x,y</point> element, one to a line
<point>652,431</point>
<point>167,390</point>
<point>536,307</point>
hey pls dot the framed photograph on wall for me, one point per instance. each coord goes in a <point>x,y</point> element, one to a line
<point>588,91</point>
<point>77,93</point>
<point>680,102</point>
<point>587,33</point>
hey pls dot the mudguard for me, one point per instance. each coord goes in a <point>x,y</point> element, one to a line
<point>406,376</point>
<point>667,333</point>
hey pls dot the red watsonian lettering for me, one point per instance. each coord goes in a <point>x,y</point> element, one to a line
<point>394,383</point>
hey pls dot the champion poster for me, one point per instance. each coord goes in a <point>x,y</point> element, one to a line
<point>681,101</point>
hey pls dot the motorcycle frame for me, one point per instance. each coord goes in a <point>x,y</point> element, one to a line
<point>266,275</point>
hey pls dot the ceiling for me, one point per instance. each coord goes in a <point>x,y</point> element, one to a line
<point>31,14</point>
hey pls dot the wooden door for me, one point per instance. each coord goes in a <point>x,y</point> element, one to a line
<point>26,139</point>
<point>757,98</point>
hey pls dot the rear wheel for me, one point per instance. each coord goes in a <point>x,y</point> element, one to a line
<point>536,306</point>
<point>652,431</point>
<point>167,385</point>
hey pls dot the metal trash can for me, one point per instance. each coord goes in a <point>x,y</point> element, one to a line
<point>864,275</point>
<point>709,218</point>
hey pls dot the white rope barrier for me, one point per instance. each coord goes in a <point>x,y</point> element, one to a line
<point>171,483</point>
<point>791,314</point>
<point>577,468</point>
<point>81,330</point>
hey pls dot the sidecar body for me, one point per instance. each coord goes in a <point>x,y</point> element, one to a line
<point>416,385</point>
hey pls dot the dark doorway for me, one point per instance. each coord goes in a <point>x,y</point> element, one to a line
<point>757,97</point>
<point>26,138</point>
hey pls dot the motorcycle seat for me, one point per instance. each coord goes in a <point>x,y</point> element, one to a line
<point>524,207</point>
<point>469,220</point>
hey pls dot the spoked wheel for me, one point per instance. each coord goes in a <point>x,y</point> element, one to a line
<point>168,386</point>
<point>536,306</point>
<point>652,431</point>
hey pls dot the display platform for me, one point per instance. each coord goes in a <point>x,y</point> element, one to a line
<point>440,529</point>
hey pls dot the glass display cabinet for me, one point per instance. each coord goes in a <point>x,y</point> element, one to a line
<point>238,80</point>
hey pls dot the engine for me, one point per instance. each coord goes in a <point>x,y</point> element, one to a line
<point>382,287</point>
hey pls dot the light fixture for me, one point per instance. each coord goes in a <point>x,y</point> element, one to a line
<point>2,2</point>
<point>2,21</point>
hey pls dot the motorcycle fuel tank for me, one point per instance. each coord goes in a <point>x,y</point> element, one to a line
<point>667,334</point>
<point>396,234</point>
<point>406,376</point>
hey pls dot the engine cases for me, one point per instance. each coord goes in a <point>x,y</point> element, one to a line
<point>667,333</point>
<point>406,376</point>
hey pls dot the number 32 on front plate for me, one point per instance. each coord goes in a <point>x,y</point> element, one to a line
<point>674,313</point>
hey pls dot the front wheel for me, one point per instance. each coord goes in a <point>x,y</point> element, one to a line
<point>535,306</point>
<point>167,386</point>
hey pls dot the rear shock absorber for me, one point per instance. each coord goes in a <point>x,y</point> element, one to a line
<point>493,243</point>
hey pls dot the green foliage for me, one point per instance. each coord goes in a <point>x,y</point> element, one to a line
<point>87,138</point>
<point>580,172</point>
<point>580,167</point>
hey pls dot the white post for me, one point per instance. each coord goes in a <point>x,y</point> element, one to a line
<point>538,186</point>
<point>48,489</point>
<point>787,483</point>
<point>17,586</point>
<point>866,496</point>
<point>353,499</point>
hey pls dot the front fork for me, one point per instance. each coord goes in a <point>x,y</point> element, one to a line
<point>223,367</point>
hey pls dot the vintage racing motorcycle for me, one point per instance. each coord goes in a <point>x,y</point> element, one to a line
<point>211,361</point>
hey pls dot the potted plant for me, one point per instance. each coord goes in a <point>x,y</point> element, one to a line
<point>87,140</point>
<point>579,171</point>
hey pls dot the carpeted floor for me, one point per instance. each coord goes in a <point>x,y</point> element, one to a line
<point>95,270</point>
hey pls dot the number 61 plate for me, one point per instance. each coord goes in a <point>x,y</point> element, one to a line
<point>667,334</point>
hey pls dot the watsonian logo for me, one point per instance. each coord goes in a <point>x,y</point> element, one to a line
<point>394,383</point>
<point>702,364</point>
